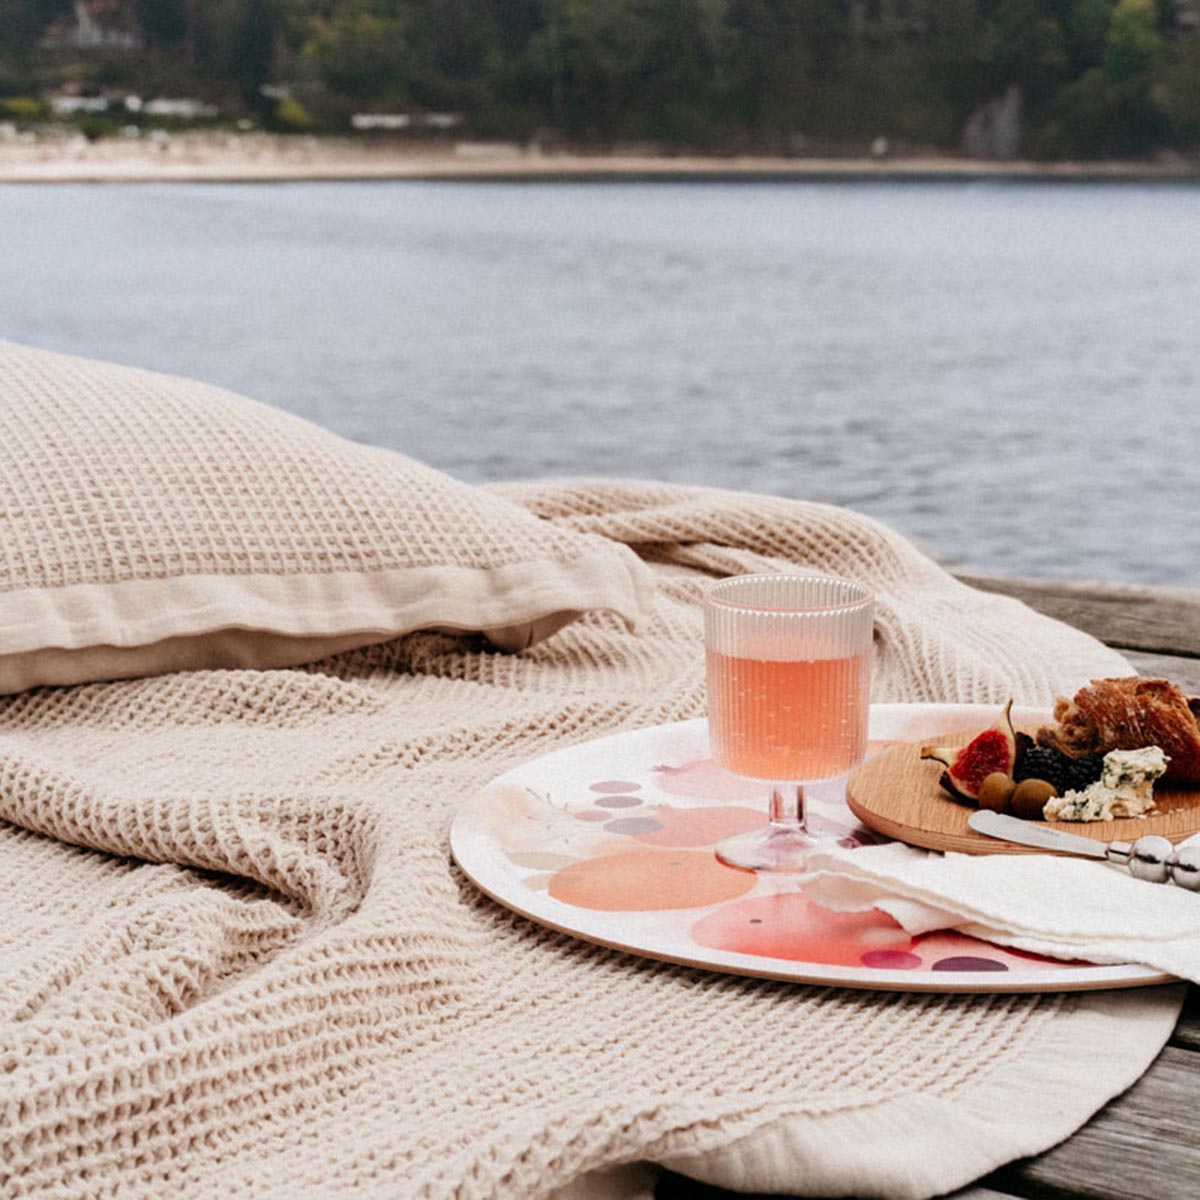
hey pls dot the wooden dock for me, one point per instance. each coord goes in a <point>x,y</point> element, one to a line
<point>1157,629</point>
<point>1145,1144</point>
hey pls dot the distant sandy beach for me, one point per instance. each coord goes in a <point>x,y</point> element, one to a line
<point>263,158</point>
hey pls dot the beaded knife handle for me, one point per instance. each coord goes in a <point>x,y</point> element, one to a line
<point>1153,858</point>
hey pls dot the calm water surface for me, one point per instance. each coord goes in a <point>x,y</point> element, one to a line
<point>1007,373</point>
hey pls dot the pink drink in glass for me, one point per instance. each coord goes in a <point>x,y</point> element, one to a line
<point>789,682</point>
<point>777,719</point>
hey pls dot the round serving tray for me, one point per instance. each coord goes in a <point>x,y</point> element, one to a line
<point>612,841</point>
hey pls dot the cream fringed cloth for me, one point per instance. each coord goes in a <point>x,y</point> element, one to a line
<point>235,959</point>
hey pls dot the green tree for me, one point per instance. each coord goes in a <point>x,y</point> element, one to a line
<point>1133,47</point>
<point>361,55</point>
<point>767,73</point>
<point>251,52</point>
<point>1096,77</point>
<point>163,22</point>
<point>1086,23</point>
<point>1180,98</point>
<point>23,21</point>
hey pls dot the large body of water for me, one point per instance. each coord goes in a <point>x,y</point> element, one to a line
<point>1008,373</point>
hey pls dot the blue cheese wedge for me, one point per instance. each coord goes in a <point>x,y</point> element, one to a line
<point>1124,789</point>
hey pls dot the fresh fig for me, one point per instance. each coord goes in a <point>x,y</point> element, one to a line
<point>994,750</point>
<point>1024,744</point>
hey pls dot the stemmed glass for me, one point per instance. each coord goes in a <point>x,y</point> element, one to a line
<point>789,683</point>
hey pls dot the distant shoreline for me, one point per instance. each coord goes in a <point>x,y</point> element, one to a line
<point>262,158</point>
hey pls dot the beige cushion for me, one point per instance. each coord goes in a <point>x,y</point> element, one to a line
<point>150,524</point>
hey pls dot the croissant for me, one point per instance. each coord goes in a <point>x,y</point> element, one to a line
<point>1127,714</point>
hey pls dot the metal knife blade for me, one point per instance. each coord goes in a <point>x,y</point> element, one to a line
<point>1027,833</point>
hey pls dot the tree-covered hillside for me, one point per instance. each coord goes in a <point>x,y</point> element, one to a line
<point>1039,78</point>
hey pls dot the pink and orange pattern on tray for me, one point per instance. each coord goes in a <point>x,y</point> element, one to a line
<point>612,841</point>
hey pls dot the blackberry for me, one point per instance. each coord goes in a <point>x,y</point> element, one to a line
<point>1024,744</point>
<point>1064,772</point>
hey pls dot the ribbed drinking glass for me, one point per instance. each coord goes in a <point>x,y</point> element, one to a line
<point>789,685</point>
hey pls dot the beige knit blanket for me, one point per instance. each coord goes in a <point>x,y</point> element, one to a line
<point>235,958</point>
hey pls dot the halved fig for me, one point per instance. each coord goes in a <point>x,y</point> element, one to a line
<point>994,750</point>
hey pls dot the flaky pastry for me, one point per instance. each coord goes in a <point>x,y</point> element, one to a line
<point>1128,714</point>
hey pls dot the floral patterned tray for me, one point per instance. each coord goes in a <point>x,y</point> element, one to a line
<point>612,841</point>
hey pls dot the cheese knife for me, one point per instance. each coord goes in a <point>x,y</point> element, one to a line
<point>1152,858</point>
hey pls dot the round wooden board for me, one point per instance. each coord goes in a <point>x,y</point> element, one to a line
<point>897,793</point>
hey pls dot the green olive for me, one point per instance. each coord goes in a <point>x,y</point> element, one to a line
<point>994,791</point>
<point>1029,798</point>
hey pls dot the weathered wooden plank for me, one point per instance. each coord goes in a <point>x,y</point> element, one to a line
<point>1187,1031</point>
<point>1159,620</point>
<point>1184,671</point>
<point>1143,1144</point>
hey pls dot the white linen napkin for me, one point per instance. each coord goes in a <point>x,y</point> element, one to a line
<point>1046,904</point>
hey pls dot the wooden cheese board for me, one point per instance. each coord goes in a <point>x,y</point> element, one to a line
<point>897,794</point>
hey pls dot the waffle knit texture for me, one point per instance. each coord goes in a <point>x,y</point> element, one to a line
<point>152,523</point>
<point>236,959</point>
